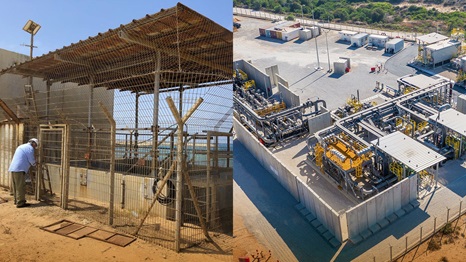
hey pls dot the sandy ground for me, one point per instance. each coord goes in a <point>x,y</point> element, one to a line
<point>21,239</point>
<point>453,246</point>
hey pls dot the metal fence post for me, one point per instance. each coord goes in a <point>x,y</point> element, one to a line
<point>435,223</point>
<point>406,251</point>
<point>391,258</point>
<point>420,237</point>
<point>459,214</point>
<point>448,214</point>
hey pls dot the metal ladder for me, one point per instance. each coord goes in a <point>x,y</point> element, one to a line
<point>30,101</point>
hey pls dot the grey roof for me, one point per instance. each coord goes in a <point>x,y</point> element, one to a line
<point>378,36</point>
<point>408,151</point>
<point>443,44</point>
<point>360,35</point>
<point>346,32</point>
<point>431,38</point>
<point>452,119</point>
<point>421,81</point>
<point>395,40</point>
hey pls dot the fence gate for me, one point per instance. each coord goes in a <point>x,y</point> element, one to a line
<point>53,156</point>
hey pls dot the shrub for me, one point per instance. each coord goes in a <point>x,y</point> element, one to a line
<point>434,245</point>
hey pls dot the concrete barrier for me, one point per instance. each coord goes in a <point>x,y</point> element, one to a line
<point>331,220</point>
<point>379,210</point>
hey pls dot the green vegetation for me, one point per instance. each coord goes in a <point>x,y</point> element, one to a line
<point>379,13</point>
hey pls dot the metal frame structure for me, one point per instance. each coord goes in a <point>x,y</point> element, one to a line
<point>176,52</point>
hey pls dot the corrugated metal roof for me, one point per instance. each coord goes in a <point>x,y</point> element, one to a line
<point>408,151</point>
<point>193,49</point>
<point>431,38</point>
<point>452,119</point>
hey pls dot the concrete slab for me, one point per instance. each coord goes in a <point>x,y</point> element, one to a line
<point>299,206</point>
<point>400,212</point>
<point>316,223</point>
<point>391,218</point>
<point>383,223</point>
<point>408,208</point>
<point>356,240</point>
<point>334,242</point>
<point>415,204</point>
<point>304,212</point>
<point>366,234</point>
<point>327,235</point>
<point>310,217</point>
<point>375,228</point>
<point>321,229</point>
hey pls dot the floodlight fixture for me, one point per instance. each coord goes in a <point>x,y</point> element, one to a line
<point>31,27</point>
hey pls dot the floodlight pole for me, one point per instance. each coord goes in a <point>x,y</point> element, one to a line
<point>317,48</point>
<point>326,42</point>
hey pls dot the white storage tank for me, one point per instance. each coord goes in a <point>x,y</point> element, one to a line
<point>305,34</point>
<point>359,39</point>
<point>378,40</point>
<point>315,31</point>
<point>340,66</point>
<point>394,46</point>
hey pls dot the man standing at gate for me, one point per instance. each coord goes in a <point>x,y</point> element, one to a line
<point>23,159</point>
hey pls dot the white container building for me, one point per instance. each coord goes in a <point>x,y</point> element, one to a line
<point>346,35</point>
<point>359,39</point>
<point>394,46</point>
<point>378,40</point>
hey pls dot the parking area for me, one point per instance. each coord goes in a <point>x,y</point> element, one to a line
<point>297,61</point>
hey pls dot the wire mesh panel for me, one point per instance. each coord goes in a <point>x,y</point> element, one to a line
<point>148,108</point>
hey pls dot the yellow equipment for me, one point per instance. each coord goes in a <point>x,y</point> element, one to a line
<point>397,169</point>
<point>455,143</point>
<point>249,84</point>
<point>319,153</point>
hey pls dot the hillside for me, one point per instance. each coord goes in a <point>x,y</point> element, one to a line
<point>422,16</point>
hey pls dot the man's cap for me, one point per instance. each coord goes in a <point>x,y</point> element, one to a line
<point>34,140</point>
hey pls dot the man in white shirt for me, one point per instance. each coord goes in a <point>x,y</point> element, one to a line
<point>23,159</point>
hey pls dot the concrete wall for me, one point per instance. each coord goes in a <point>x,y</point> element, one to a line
<point>290,99</point>
<point>282,81</point>
<point>262,79</point>
<point>300,191</point>
<point>272,71</point>
<point>380,206</point>
<point>320,122</point>
<point>267,159</point>
<point>323,212</point>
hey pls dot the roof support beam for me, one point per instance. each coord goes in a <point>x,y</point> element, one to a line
<point>171,51</point>
<point>60,58</point>
<point>9,112</point>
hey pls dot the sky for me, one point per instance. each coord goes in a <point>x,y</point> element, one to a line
<point>64,22</point>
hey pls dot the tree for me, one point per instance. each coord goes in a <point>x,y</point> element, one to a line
<point>256,5</point>
<point>377,15</point>
<point>342,14</point>
<point>278,9</point>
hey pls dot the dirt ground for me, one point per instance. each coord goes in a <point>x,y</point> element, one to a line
<point>22,239</point>
<point>448,246</point>
<point>246,245</point>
